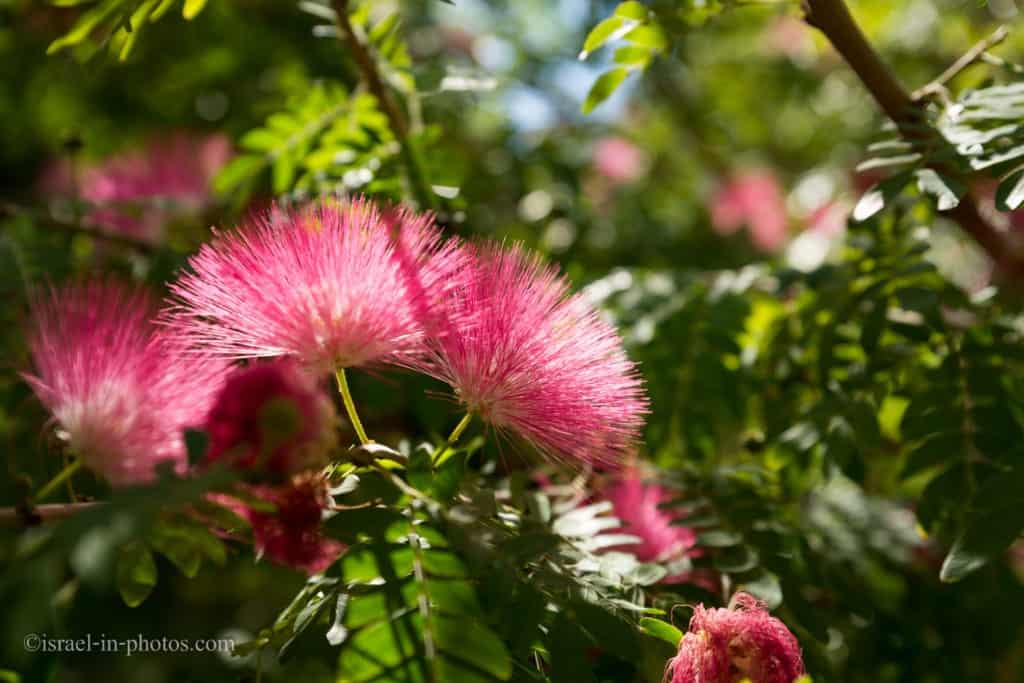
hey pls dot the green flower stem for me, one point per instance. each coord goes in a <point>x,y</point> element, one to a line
<point>448,450</point>
<point>350,406</point>
<point>55,483</point>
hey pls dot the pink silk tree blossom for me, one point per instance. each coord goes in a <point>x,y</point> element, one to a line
<point>753,198</point>
<point>117,386</point>
<point>138,192</point>
<point>528,357</point>
<point>637,505</point>
<point>332,285</point>
<point>271,419</point>
<point>735,644</point>
<point>619,160</point>
<point>291,534</point>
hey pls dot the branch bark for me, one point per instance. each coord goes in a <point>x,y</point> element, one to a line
<point>833,19</point>
<point>367,64</point>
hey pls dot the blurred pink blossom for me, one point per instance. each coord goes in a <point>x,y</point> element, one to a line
<point>788,36</point>
<point>138,192</point>
<point>619,160</point>
<point>829,219</point>
<point>637,505</point>
<point>754,198</point>
<point>742,642</point>
<point>119,388</point>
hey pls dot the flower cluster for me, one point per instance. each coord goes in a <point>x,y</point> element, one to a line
<point>307,292</point>
<point>742,642</point>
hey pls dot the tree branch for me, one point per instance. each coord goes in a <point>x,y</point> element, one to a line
<point>938,85</point>
<point>833,19</point>
<point>396,117</point>
<point>11,210</point>
<point>23,517</point>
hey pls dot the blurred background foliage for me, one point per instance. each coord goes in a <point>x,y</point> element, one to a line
<point>837,407</point>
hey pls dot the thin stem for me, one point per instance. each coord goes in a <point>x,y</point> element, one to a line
<point>833,19</point>
<point>449,446</point>
<point>55,483</point>
<point>973,55</point>
<point>11,210</point>
<point>350,406</point>
<point>396,118</point>
<point>29,516</point>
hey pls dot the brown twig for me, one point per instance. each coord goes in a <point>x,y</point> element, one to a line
<point>23,516</point>
<point>11,210</point>
<point>938,85</point>
<point>833,19</point>
<point>396,117</point>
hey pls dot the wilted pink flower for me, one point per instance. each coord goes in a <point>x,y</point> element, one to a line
<point>618,160</point>
<point>116,385</point>
<point>735,644</point>
<point>271,418</point>
<point>291,535</point>
<point>334,286</point>
<point>528,357</point>
<point>753,198</point>
<point>139,192</point>
<point>636,504</point>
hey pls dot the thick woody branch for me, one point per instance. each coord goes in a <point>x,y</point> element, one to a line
<point>833,19</point>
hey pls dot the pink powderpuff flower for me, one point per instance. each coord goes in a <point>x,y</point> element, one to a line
<point>735,644</point>
<point>291,535</point>
<point>271,419</point>
<point>333,286</point>
<point>753,198</point>
<point>137,193</point>
<point>529,358</point>
<point>636,504</point>
<point>117,386</point>
<point>619,160</point>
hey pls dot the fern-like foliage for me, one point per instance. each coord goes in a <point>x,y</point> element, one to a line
<point>325,140</point>
<point>117,23</point>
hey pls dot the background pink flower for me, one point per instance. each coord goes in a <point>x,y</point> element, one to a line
<point>117,387</point>
<point>730,645</point>
<point>636,504</point>
<point>291,534</point>
<point>618,160</point>
<point>138,192</point>
<point>753,198</point>
<point>528,357</point>
<point>271,418</point>
<point>334,286</point>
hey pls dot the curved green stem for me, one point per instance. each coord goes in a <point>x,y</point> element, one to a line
<point>350,406</point>
<point>55,483</point>
<point>448,449</point>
